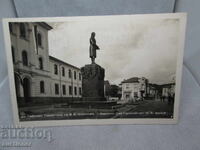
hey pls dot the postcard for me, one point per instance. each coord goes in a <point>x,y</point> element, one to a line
<point>95,70</point>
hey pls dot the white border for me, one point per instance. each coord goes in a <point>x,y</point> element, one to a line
<point>174,120</point>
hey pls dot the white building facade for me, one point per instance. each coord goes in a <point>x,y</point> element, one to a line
<point>39,76</point>
<point>139,88</point>
<point>133,88</point>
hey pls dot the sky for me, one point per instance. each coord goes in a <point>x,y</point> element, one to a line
<point>129,46</point>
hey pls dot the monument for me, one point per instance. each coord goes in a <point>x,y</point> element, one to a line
<point>93,76</point>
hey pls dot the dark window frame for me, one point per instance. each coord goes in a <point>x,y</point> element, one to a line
<point>39,39</point>
<point>41,64</point>
<point>22,29</point>
<point>55,69</point>
<point>56,89</point>
<point>24,58</point>
<point>75,75</point>
<point>80,76</point>
<point>64,89</point>
<point>63,71</point>
<point>70,90</point>
<point>42,87</point>
<point>80,91</point>
<point>69,73</point>
<point>75,90</point>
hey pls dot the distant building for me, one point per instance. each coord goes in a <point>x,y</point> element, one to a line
<point>153,90</point>
<point>139,88</point>
<point>134,88</point>
<point>39,76</point>
<point>168,90</point>
<point>112,91</point>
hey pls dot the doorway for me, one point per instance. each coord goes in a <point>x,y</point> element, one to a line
<point>26,88</point>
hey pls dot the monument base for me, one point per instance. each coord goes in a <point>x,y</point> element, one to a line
<point>93,99</point>
<point>93,82</point>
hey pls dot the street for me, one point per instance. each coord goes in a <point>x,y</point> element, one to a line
<point>147,109</point>
<point>140,109</point>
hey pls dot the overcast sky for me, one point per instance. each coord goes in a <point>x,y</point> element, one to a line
<point>129,46</point>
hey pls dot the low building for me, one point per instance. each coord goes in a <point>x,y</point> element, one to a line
<point>38,76</point>
<point>154,91</point>
<point>139,88</point>
<point>168,90</point>
<point>134,88</point>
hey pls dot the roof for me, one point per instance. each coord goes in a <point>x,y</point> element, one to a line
<point>45,25</point>
<point>107,82</point>
<point>167,85</point>
<point>131,80</point>
<point>153,84</point>
<point>60,61</point>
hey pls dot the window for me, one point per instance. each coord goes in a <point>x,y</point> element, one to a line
<point>39,39</point>
<point>80,91</point>
<point>13,54</point>
<point>70,90</point>
<point>135,94</point>
<point>42,87</point>
<point>75,90</point>
<point>74,75</point>
<point>127,96</point>
<point>64,89</point>
<point>79,76</point>
<point>56,89</point>
<point>70,73</point>
<point>22,30</point>
<point>136,89</point>
<point>24,58</point>
<point>40,63</point>
<point>63,71</point>
<point>55,69</point>
<point>10,28</point>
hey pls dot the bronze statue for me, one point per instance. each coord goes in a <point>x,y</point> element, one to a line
<point>93,47</point>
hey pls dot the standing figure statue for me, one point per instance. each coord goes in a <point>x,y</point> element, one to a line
<point>93,47</point>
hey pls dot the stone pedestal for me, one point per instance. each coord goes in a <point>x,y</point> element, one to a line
<point>93,82</point>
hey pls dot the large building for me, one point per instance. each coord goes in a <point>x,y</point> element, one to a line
<point>39,76</point>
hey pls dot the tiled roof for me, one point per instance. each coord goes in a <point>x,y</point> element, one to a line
<point>60,61</point>
<point>131,80</point>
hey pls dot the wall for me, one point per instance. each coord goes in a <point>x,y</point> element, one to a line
<point>64,80</point>
<point>132,88</point>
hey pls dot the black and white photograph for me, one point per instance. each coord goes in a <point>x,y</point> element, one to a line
<point>123,69</point>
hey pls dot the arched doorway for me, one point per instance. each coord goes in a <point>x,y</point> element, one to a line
<point>27,89</point>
